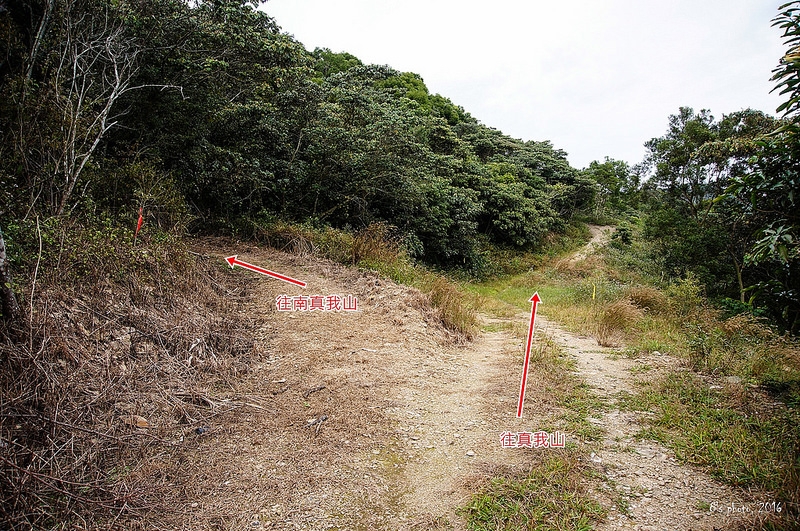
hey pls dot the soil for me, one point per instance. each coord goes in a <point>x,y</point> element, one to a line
<point>376,419</point>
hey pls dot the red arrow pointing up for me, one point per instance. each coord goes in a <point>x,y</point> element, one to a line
<point>535,300</point>
<point>234,261</point>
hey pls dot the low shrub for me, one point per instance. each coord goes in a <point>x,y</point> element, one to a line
<point>647,298</point>
<point>614,320</point>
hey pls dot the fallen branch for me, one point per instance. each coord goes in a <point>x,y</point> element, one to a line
<point>313,390</point>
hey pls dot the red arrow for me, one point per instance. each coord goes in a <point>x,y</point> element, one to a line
<point>233,261</point>
<point>535,300</point>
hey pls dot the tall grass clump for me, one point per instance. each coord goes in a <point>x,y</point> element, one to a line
<point>455,312</point>
<point>615,320</point>
<point>648,298</point>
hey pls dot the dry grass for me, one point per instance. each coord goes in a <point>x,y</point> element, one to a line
<point>584,268</point>
<point>376,243</point>
<point>647,298</point>
<point>453,310</point>
<point>377,248</point>
<point>114,356</point>
<point>614,320</point>
<point>122,358</point>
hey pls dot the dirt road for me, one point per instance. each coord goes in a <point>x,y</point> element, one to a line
<point>373,419</point>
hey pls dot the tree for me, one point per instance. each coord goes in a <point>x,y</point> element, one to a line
<point>688,180</point>
<point>694,223</point>
<point>769,192</point>
<point>617,185</point>
<point>79,65</point>
<point>328,63</point>
<point>9,305</point>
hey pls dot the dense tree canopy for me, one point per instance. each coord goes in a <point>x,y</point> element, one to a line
<point>206,114</point>
<point>207,110</point>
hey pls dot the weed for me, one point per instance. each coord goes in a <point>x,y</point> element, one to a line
<point>647,298</point>
<point>622,503</point>
<point>686,296</point>
<point>615,319</point>
<point>704,428</point>
<point>579,405</point>
<point>638,369</point>
<point>552,496</point>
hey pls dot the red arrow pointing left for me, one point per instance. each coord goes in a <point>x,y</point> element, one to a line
<point>234,261</point>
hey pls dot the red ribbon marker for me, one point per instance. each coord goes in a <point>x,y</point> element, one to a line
<point>138,224</point>
<point>535,300</point>
<point>233,261</point>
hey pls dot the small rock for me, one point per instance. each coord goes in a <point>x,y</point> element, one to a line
<point>656,353</point>
<point>470,454</point>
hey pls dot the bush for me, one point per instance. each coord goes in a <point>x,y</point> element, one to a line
<point>647,298</point>
<point>615,320</point>
<point>686,295</point>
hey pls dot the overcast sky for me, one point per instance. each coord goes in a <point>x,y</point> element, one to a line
<point>596,77</point>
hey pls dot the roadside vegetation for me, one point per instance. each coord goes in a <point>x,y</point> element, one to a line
<point>734,405</point>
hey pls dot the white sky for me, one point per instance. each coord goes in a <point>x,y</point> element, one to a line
<point>596,77</point>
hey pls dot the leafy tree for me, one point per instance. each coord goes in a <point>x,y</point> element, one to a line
<point>768,192</point>
<point>690,182</point>
<point>252,124</point>
<point>327,63</point>
<point>618,185</point>
<point>694,164</point>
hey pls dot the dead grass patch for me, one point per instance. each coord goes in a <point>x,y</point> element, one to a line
<point>115,357</point>
<point>583,268</point>
<point>614,320</point>
<point>647,298</point>
<point>454,312</point>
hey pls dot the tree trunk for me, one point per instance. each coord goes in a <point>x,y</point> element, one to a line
<point>738,267</point>
<point>11,309</point>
